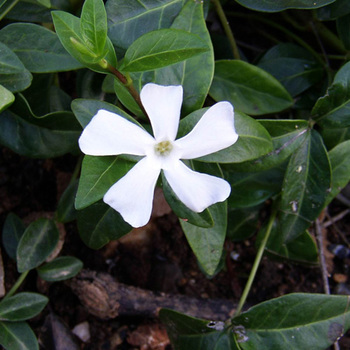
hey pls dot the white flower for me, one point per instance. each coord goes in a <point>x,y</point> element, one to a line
<point>132,196</point>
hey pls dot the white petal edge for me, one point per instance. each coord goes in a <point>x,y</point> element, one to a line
<point>196,190</point>
<point>110,134</point>
<point>132,195</point>
<point>163,106</point>
<point>213,132</point>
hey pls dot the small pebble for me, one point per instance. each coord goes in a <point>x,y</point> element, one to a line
<point>82,331</point>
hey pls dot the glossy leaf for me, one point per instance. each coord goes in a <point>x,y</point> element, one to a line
<point>249,88</point>
<point>196,73</point>
<point>12,232</point>
<point>287,135</point>
<point>38,56</point>
<point>207,243</point>
<point>280,5</point>
<point>339,158</point>
<point>295,321</point>
<point>331,110</point>
<point>333,137</point>
<point>253,142</point>
<point>187,332</point>
<point>65,209</point>
<point>6,98</point>
<point>127,20</point>
<point>93,25</point>
<point>17,336</point>
<point>305,188</point>
<point>37,243</point>
<point>203,219</point>
<point>162,48</point>
<point>60,269</point>
<point>22,306</point>
<point>99,223</point>
<point>98,174</point>
<point>293,66</point>
<point>334,10</point>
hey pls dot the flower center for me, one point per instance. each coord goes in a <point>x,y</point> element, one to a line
<point>163,148</point>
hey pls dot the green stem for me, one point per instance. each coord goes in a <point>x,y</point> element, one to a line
<point>8,9</point>
<point>14,288</point>
<point>227,29</point>
<point>256,264</point>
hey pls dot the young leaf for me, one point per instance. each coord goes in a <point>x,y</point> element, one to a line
<point>6,98</point>
<point>207,243</point>
<point>280,5</point>
<point>65,209</point>
<point>60,269</point>
<point>295,321</point>
<point>11,234</point>
<point>305,188</point>
<point>162,48</point>
<point>253,142</point>
<point>98,174</point>
<point>17,336</point>
<point>249,88</point>
<point>331,110</point>
<point>128,20</point>
<point>93,25</point>
<point>99,223</point>
<point>38,56</point>
<point>22,306</point>
<point>37,243</point>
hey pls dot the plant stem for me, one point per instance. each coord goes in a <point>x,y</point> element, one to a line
<point>256,264</point>
<point>8,9</point>
<point>227,29</point>
<point>128,84</point>
<point>14,288</point>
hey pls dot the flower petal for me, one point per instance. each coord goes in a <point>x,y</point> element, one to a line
<point>132,195</point>
<point>213,132</point>
<point>110,134</point>
<point>163,106</point>
<point>196,190</point>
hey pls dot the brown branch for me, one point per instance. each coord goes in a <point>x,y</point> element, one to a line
<point>105,298</point>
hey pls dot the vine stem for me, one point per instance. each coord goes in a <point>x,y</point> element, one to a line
<point>8,9</point>
<point>227,29</point>
<point>256,264</point>
<point>14,288</point>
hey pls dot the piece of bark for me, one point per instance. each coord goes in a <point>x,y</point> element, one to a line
<point>105,298</point>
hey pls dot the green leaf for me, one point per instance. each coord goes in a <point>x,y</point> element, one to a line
<point>207,243</point>
<point>65,209</point>
<point>60,269</point>
<point>253,142</point>
<point>339,158</point>
<point>203,219</point>
<point>6,98</point>
<point>37,243</point>
<point>22,306</point>
<point>343,28</point>
<point>98,174</point>
<point>295,322</point>
<point>93,25</point>
<point>99,223</point>
<point>196,73</point>
<point>249,189</point>
<point>17,336</point>
<point>127,20</point>
<point>38,56</point>
<point>293,66</point>
<point>43,137</point>
<point>162,48</point>
<point>333,11</point>
<point>68,30</point>
<point>305,188</point>
<point>287,135</point>
<point>11,234</point>
<point>280,5</point>
<point>187,332</point>
<point>249,88</point>
<point>331,110</point>
<point>13,75</point>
